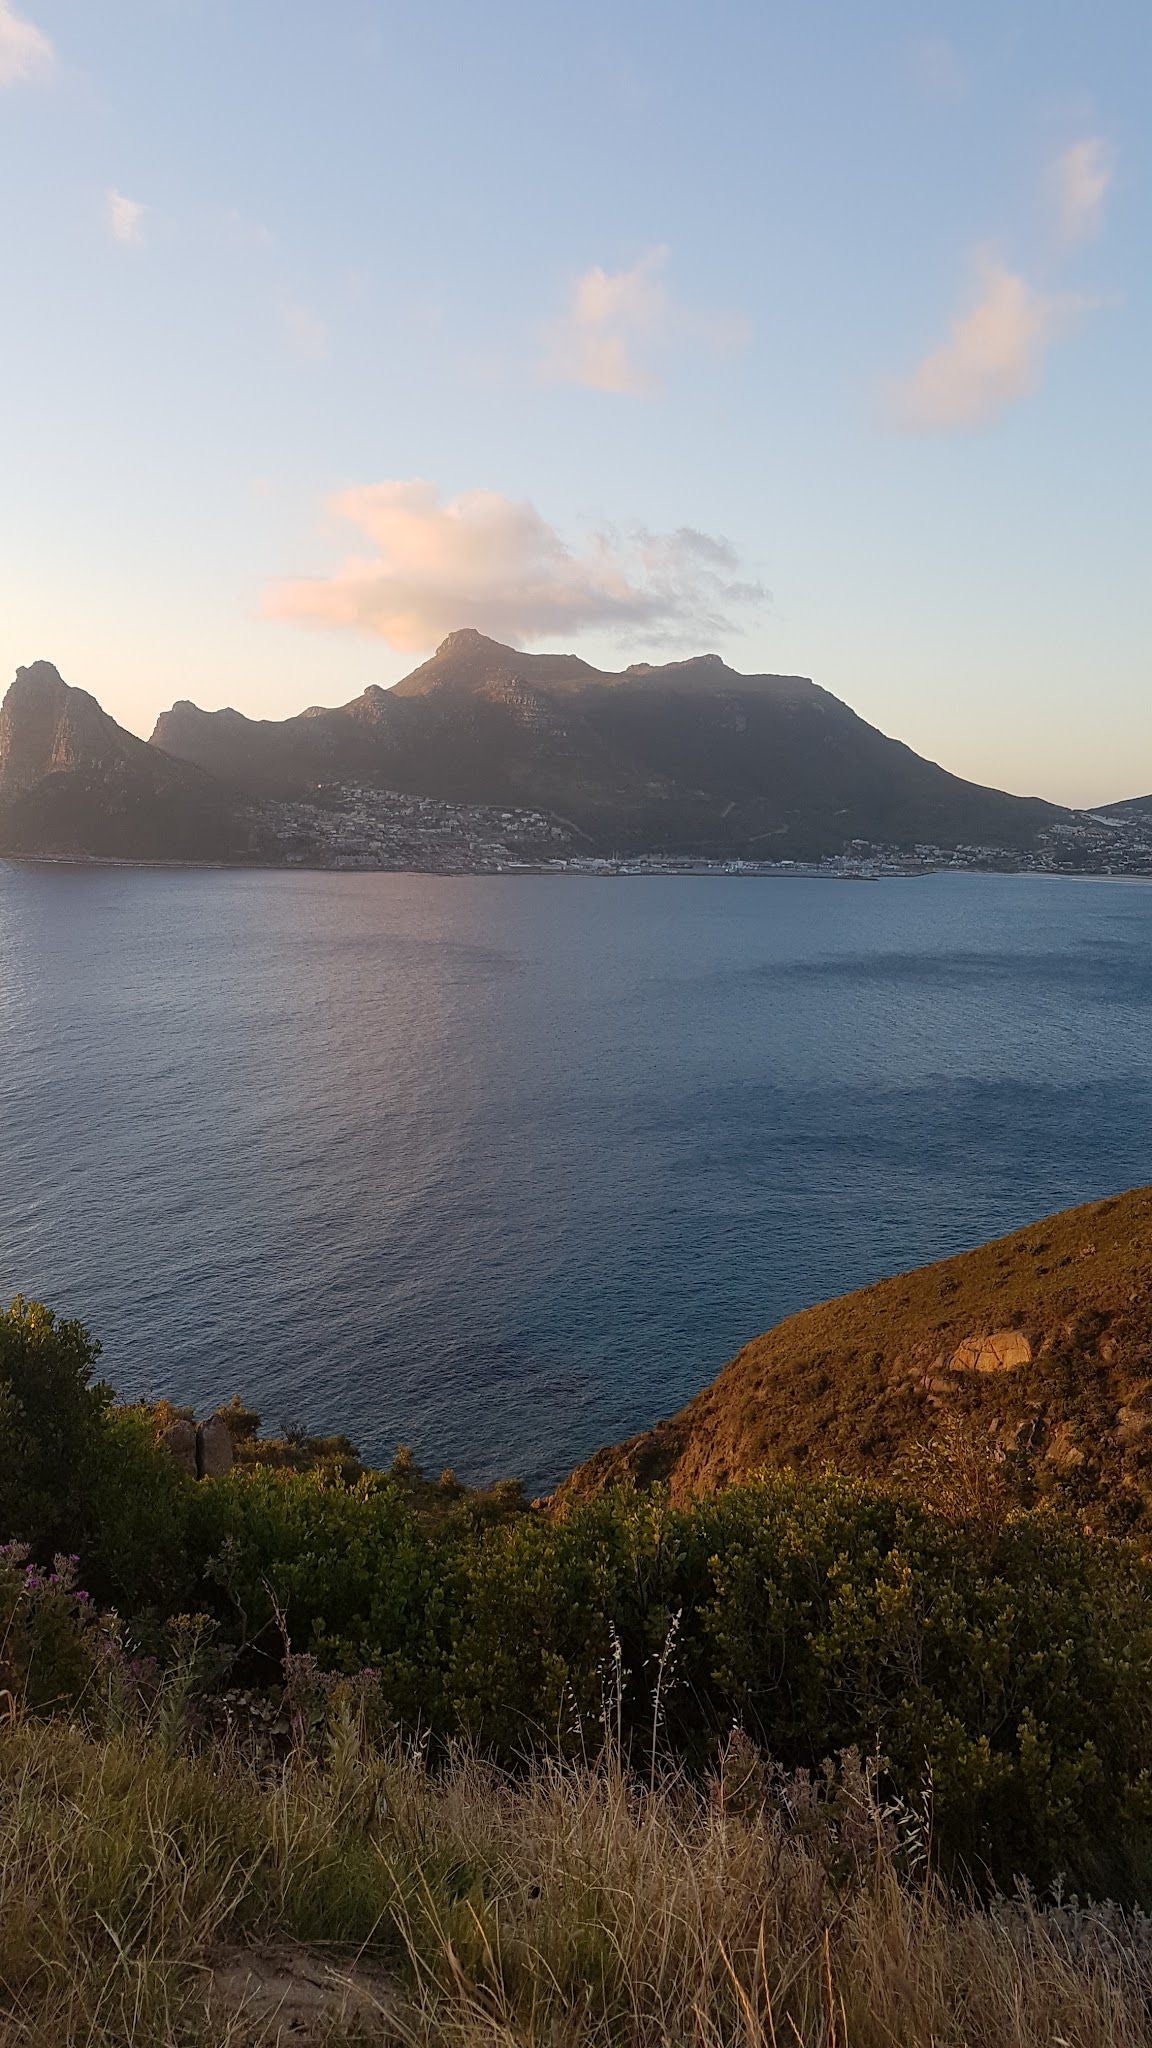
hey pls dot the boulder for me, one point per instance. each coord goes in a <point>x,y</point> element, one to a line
<point>179,1440</point>
<point>1001,1352</point>
<point>1062,1452</point>
<point>213,1448</point>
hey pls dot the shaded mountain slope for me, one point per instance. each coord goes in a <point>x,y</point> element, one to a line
<point>689,756</point>
<point>73,784</point>
<point>1039,1344</point>
<point>1133,807</point>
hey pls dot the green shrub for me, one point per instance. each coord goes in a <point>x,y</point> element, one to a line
<point>50,1420</point>
<point>1009,1671</point>
<point>135,1533</point>
<point>351,1575</point>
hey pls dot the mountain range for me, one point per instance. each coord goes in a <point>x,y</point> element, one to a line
<point>688,757</point>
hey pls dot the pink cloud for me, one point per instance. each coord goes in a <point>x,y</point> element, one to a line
<point>126,218</point>
<point>993,356</point>
<point>484,560</point>
<point>618,325</point>
<point>25,51</point>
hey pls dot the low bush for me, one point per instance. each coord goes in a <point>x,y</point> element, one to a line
<point>51,1412</point>
<point>1005,1672</point>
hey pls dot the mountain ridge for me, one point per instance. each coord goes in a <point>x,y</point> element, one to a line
<point>686,756</point>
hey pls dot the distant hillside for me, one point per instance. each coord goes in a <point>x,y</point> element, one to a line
<point>1133,807</point>
<point>1039,1344</point>
<point>691,756</point>
<point>73,783</point>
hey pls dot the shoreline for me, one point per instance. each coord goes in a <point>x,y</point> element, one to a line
<point>794,873</point>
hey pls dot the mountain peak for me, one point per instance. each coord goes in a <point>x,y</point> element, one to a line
<point>46,725</point>
<point>660,668</point>
<point>73,783</point>
<point>469,639</point>
<point>40,673</point>
<point>687,756</point>
<point>468,661</point>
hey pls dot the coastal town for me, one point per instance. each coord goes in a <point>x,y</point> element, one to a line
<point>353,826</point>
<point>349,825</point>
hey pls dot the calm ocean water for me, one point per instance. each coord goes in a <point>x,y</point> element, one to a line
<point>504,1168</point>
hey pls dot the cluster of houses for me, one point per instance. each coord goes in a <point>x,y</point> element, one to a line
<point>353,826</point>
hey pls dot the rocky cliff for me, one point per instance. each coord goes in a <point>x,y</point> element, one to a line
<point>74,784</point>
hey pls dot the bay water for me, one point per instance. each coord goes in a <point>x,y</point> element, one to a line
<point>505,1168</point>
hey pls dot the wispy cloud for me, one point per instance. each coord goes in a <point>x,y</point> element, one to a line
<point>995,351</point>
<point>484,560</point>
<point>937,69</point>
<point>1081,179</point>
<point>617,325</point>
<point>25,51</point>
<point>126,218</point>
<point>306,330</point>
<point>243,233</point>
<point>610,320</point>
<point>993,356</point>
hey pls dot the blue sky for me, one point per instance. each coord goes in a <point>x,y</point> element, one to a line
<point>816,333</point>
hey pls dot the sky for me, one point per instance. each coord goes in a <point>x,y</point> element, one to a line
<point>815,334</point>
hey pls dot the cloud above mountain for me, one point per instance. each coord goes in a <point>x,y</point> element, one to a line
<point>25,51</point>
<point>484,560</point>
<point>618,326</point>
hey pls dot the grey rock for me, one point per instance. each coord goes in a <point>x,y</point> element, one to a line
<point>214,1448</point>
<point>179,1439</point>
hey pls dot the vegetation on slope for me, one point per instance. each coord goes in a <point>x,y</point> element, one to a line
<point>1003,1658</point>
<point>1037,1347</point>
<point>311,1753</point>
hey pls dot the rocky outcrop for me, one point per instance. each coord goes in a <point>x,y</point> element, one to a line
<point>214,1449</point>
<point>75,785</point>
<point>204,1450</point>
<point>179,1440</point>
<point>1001,1352</point>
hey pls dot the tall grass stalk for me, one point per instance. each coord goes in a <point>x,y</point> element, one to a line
<point>563,1906</point>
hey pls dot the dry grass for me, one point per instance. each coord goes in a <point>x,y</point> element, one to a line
<point>563,1907</point>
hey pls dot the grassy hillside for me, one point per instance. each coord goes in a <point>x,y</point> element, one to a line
<point>1030,1358</point>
